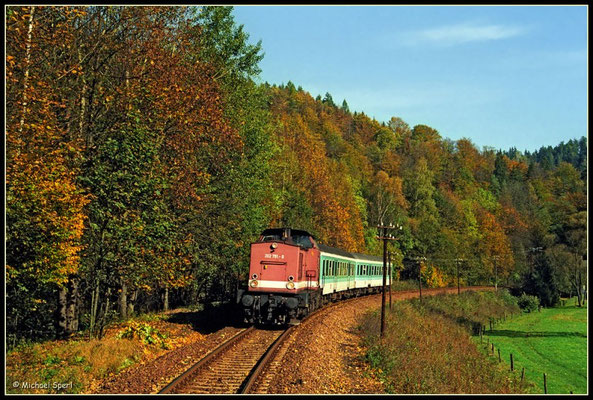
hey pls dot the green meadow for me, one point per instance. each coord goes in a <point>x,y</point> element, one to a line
<point>552,341</point>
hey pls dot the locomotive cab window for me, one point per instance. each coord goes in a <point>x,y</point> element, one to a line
<point>271,237</point>
<point>302,240</point>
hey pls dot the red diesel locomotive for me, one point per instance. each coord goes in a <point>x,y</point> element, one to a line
<point>291,275</point>
<point>283,274</point>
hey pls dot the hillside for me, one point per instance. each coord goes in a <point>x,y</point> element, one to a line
<point>143,158</point>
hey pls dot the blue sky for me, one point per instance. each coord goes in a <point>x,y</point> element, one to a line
<point>501,76</point>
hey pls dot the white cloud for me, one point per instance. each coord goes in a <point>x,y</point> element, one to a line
<point>461,33</point>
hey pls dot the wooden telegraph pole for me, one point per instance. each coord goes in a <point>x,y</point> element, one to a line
<point>384,237</point>
<point>390,275</point>
<point>419,261</point>
<point>420,275</point>
<point>495,258</point>
<point>457,262</point>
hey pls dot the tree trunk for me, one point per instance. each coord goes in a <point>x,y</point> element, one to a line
<point>580,290</point>
<point>82,101</point>
<point>27,65</point>
<point>123,301</point>
<point>72,305</point>
<point>132,302</point>
<point>67,313</point>
<point>166,300</point>
<point>104,318</point>
<point>61,312</point>
<point>94,304</point>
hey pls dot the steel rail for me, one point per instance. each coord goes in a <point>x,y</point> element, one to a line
<point>269,355</point>
<point>263,362</point>
<point>194,368</point>
<point>266,358</point>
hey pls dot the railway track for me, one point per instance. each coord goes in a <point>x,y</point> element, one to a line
<point>236,366</point>
<point>233,367</point>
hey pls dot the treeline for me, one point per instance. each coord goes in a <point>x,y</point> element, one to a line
<point>143,158</point>
<point>573,152</point>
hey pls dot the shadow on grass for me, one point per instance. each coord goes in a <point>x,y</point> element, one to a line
<point>510,333</point>
<point>210,319</point>
<point>572,307</point>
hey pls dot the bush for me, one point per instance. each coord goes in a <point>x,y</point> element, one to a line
<point>145,332</point>
<point>528,303</point>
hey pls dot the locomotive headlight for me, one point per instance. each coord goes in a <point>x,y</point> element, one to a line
<point>290,285</point>
<point>291,278</point>
<point>274,245</point>
<point>253,283</point>
<point>254,276</point>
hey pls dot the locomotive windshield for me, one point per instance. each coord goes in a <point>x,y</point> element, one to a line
<point>271,236</point>
<point>300,238</point>
<point>276,235</point>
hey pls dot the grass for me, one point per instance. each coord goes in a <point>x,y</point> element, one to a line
<point>86,363</point>
<point>79,362</point>
<point>398,285</point>
<point>553,341</point>
<point>427,347</point>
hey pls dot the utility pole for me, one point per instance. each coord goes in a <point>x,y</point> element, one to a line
<point>420,275</point>
<point>419,260</point>
<point>532,252</point>
<point>390,276</point>
<point>495,258</point>
<point>457,262</point>
<point>384,237</point>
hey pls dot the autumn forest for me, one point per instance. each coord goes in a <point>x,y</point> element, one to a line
<point>144,155</point>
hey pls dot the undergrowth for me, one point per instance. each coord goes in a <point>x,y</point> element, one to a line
<point>427,346</point>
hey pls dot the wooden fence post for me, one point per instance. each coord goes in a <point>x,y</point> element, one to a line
<point>512,366</point>
<point>545,384</point>
<point>499,359</point>
<point>522,374</point>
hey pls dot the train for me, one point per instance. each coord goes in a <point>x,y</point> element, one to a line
<point>291,275</point>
